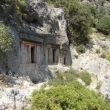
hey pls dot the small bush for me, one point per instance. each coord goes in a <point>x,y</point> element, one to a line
<point>97,51</point>
<point>80,49</point>
<point>103,24</point>
<point>103,55</point>
<point>35,81</point>
<point>64,77</point>
<point>72,96</point>
<point>86,77</point>
<point>5,38</point>
<point>106,55</point>
<point>22,1</point>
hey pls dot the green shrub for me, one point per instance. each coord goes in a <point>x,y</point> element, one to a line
<point>35,81</point>
<point>103,24</point>
<point>5,38</point>
<point>64,77</point>
<point>12,10</point>
<point>86,77</point>
<point>22,1</point>
<point>97,51</point>
<point>80,49</point>
<point>103,56</point>
<point>72,96</point>
<point>106,54</point>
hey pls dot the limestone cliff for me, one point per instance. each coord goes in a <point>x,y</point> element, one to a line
<point>45,20</point>
<point>35,17</point>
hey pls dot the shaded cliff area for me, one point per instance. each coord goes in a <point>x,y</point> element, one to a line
<point>33,17</point>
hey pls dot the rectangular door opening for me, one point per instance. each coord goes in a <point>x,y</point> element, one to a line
<point>32,54</point>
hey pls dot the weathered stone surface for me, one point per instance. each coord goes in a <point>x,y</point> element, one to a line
<point>47,27</point>
<point>94,64</point>
<point>38,10</point>
<point>48,21</point>
<point>17,97</point>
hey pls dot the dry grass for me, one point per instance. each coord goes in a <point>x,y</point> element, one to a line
<point>106,54</point>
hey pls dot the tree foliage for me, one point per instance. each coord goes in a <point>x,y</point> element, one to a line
<point>81,18</point>
<point>10,10</point>
<point>103,24</point>
<point>5,38</point>
<point>10,15</point>
<point>78,18</point>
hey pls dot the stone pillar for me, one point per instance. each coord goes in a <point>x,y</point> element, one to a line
<point>57,55</point>
<point>45,61</point>
<point>60,56</point>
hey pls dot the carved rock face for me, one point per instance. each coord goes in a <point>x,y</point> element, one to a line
<point>38,10</point>
<point>48,19</point>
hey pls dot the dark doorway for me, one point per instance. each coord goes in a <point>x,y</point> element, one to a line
<point>54,50</point>
<point>32,54</point>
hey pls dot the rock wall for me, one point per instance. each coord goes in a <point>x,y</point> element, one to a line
<point>47,21</point>
<point>93,62</point>
<point>47,26</point>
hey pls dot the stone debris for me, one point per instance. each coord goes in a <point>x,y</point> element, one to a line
<point>18,96</point>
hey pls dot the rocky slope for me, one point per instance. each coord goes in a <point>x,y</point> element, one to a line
<point>17,96</point>
<point>94,62</point>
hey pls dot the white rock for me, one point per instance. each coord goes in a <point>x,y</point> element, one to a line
<point>94,64</point>
<point>20,92</point>
<point>81,81</point>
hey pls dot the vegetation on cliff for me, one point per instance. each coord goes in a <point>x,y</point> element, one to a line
<point>67,94</point>
<point>103,24</point>
<point>10,14</point>
<point>78,20</point>
<point>11,11</point>
<point>81,18</point>
<point>5,39</point>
